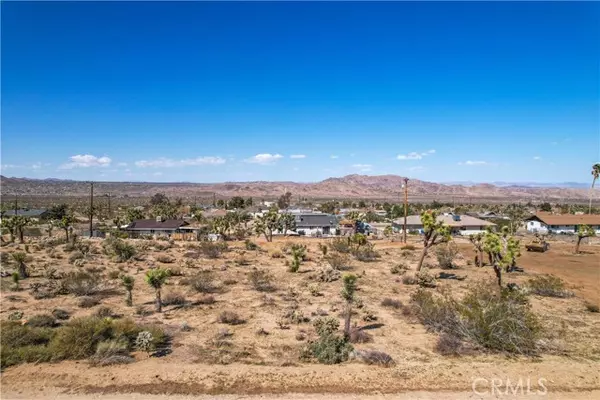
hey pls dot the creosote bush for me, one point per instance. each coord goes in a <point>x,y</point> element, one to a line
<point>399,269</point>
<point>340,245</point>
<point>231,318</point>
<point>165,259</point>
<point>81,283</point>
<point>42,321</point>
<point>445,254</point>
<point>499,320</point>
<point>387,302</point>
<point>549,286</point>
<point>425,279</point>
<point>204,282</point>
<point>261,280</point>
<point>213,249</point>
<point>119,249</point>
<point>338,261</point>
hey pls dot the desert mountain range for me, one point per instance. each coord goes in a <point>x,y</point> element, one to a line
<point>350,186</point>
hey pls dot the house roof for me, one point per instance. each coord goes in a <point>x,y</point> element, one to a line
<point>315,219</point>
<point>25,213</point>
<point>566,219</point>
<point>465,220</point>
<point>144,224</point>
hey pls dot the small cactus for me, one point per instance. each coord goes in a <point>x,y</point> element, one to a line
<point>143,341</point>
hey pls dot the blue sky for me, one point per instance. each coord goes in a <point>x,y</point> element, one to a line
<point>208,92</point>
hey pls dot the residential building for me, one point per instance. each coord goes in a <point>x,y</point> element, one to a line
<point>459,224</point>
<point>561,223</point>
<point>158,227</point>
<point>315,224</point>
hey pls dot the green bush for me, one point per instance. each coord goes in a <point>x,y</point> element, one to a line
<point>425,279</point>
<point>250,245</point>
<point>213,249</point>
<point>42,321</point>
<point>330,349</point>
<point>81,283</point>
<point>366,253</point>
<point>445,254</point>
<point>338,261</point>
<point>118,248</point>
<point>340,245</point>
<point>549,286</point>
<point>399,269</point>
<point>204,282</point>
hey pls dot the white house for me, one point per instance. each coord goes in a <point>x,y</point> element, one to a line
<point>561,223</point>
<point>459,224</point>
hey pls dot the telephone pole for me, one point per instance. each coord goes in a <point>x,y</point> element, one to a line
<point>16,204</point>
<point>91,206</point>
<point>109,209</point>
<point>405,185</point>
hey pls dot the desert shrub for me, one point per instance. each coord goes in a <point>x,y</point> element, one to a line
<point>242,261</point>
<point>175,271</point>
<point>408,247</point>
<point>173,298</point>
<point>165,259</point>
<point>60,314</point>
<point>250,245</point>
<point>294,266</point>
<point>208,299</point>
<point>230,317</point>
<point>445,254</point>
<point>328,274</point>
<point>409,279</point>
<point>143,341</point>
<point>78,338</point>
<point>549,286</point>
<point>399,269</point>
<point>314,289</point>
<point>592,307</point>
<point>493,319</point>
<point>261,280</point>
<point>119,249</point>
<point>374,357</point>
<point>326,326</point>
<point>369,316</point>
<point>114,274</point>
<point>162,245</point>
<point>111,352</point>
<point>104,312</point>
<point>330,349</point>
<point>193,255</point>
<point>365,253</point>
<point>425,279</point>
<point>338,261</point>
<point>42,321</point>
<point>296,250</point>
<point>204,282</point>
<point>357,335</point>
<point>81,283</point>
<point>450,345</point>
<point>340,245</point>
<point>15,315</point>
<point>277,254</point>
<point>76,255</point>
<point>88,301</point>
<point>213,249</point>
<point>387,302</point>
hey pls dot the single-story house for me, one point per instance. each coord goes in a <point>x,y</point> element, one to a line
<point>158,226</point>
<point>459,224</point>
<point>315,224</point>
<point>34,214</point>
<point>561,223</point>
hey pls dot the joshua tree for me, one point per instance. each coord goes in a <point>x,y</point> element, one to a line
<point>221,225</point>
<point>595,175</point>
<point>15,278</point>
<point>516,213</point>
<point>50,228</point>
<point>65,223</point>
<point>128,282</point>
<point>357,239</point>
<point>266,224</point>
<point>435,232</point>
<point>583,232</point>
<point>20,223</point>
<point>502,249</point>
<point>10,226</point>
<point>477,241</point>
<point>348,289</point>
<point>287,222</point>
<point>20,258</point>
<point>156,278</point>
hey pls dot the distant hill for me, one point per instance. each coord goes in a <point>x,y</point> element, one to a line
<point>350,186</point>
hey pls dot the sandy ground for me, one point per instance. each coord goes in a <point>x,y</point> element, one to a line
<point>268,366</point>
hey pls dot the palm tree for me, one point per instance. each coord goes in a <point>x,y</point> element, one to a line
<point>156,278</point>
<point>595,175</point>
<point>20,258</point>
<point>127,281</point>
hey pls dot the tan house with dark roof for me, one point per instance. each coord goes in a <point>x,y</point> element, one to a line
<point>561,223</point>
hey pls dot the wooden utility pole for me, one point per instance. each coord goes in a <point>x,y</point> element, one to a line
<point>91,206</point>
<point>405,206</point>
<point>109,209</point>
<point>16,204</point>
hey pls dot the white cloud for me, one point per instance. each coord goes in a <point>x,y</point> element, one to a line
<point>264,159</point>
<point>10,166</point>
<point>37,165</point>
<point>298,156</point>
<point>163,162</point>
<point>122,164</point>
<point>414,155</point>
<point>537,158</point>
<point>417,168</point>
<point>333,157</point>
<point>86,161</point>
<point>473,163</point>
<point>363,167</point>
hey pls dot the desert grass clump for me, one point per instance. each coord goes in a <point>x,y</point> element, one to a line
<point>174,299</point>
<point>119,249</point>
<point>425,279</point>
<point>104,312</point>
<point>445,254</point>
<point>328,274</point>
<point>392,303</point>
<point>366,253</point>
<point>81,283</point>
<point>111,352</point>
<point>75,256</point>
<point>261,280</point>
<point>357,335</point>
<point>230,318</point>
<point>250,245</point>
<point>408,247</point>
<point>277,254</point>
<point>61,314</point>
<point>450,345</point>
<point>204,282</point>
<point>213,250</point>
<point>548,286</point>
<point>165,259</point>
<point>409,279</point>
<point>87,302</point>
